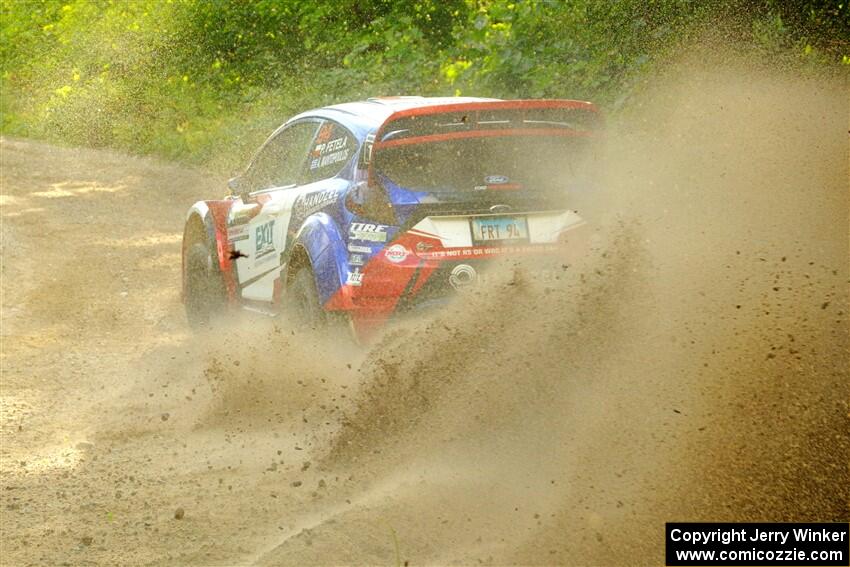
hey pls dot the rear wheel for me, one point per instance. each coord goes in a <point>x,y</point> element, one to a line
<point>303,305</point>
<point>205,293</point>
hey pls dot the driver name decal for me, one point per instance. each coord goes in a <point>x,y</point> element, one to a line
<point>326,151</point>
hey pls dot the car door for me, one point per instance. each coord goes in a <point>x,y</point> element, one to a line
<point>258,226</point>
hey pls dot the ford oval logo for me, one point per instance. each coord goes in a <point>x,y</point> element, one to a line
<point>496,180</point>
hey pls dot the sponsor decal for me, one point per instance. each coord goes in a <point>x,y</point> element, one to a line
<point>495,179</point>
<point>462,276</point>
<point>359,249</point>
<point>396,253</point>
<point>368,231</point>
<point>312,202</point>
<point>356,259</point>
<point>265,240</point>
<point>355,278</point>
<point>237,233</point>
<point>487,251</point>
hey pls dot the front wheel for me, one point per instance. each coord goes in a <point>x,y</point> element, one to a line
<point>205,293</point>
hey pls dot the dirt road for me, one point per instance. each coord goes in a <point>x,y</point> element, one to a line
<point>697,371</point>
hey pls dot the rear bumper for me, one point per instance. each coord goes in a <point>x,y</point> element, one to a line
<point>415,271</point>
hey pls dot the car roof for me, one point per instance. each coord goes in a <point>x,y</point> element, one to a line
<point>367,116</point>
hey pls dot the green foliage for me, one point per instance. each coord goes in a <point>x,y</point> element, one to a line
<point>586,49</point>
<point>196,79</point>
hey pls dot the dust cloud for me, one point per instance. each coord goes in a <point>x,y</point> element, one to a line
<point>694,367</point>
<point>695,370</point>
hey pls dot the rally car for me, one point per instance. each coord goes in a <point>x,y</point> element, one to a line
<point>360,210</point>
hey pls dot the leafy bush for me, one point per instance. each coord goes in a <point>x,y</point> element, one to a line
<point>202,79</point>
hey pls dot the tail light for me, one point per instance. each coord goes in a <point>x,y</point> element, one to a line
<point>370,202</point>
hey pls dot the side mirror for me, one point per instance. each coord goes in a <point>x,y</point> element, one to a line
<point>355,197</point>
<point>237,185</point>
<point>371,203</point>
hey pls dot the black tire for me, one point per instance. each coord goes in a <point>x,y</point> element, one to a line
<point>206,296</point>
<point>302,304</point>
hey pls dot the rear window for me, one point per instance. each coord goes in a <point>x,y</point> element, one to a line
<point>525,163</point>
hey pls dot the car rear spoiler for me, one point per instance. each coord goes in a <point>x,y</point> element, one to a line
<point>430,124</point>
<point>427,124</point>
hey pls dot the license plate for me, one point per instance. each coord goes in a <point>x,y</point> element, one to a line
<point>496,229</point>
